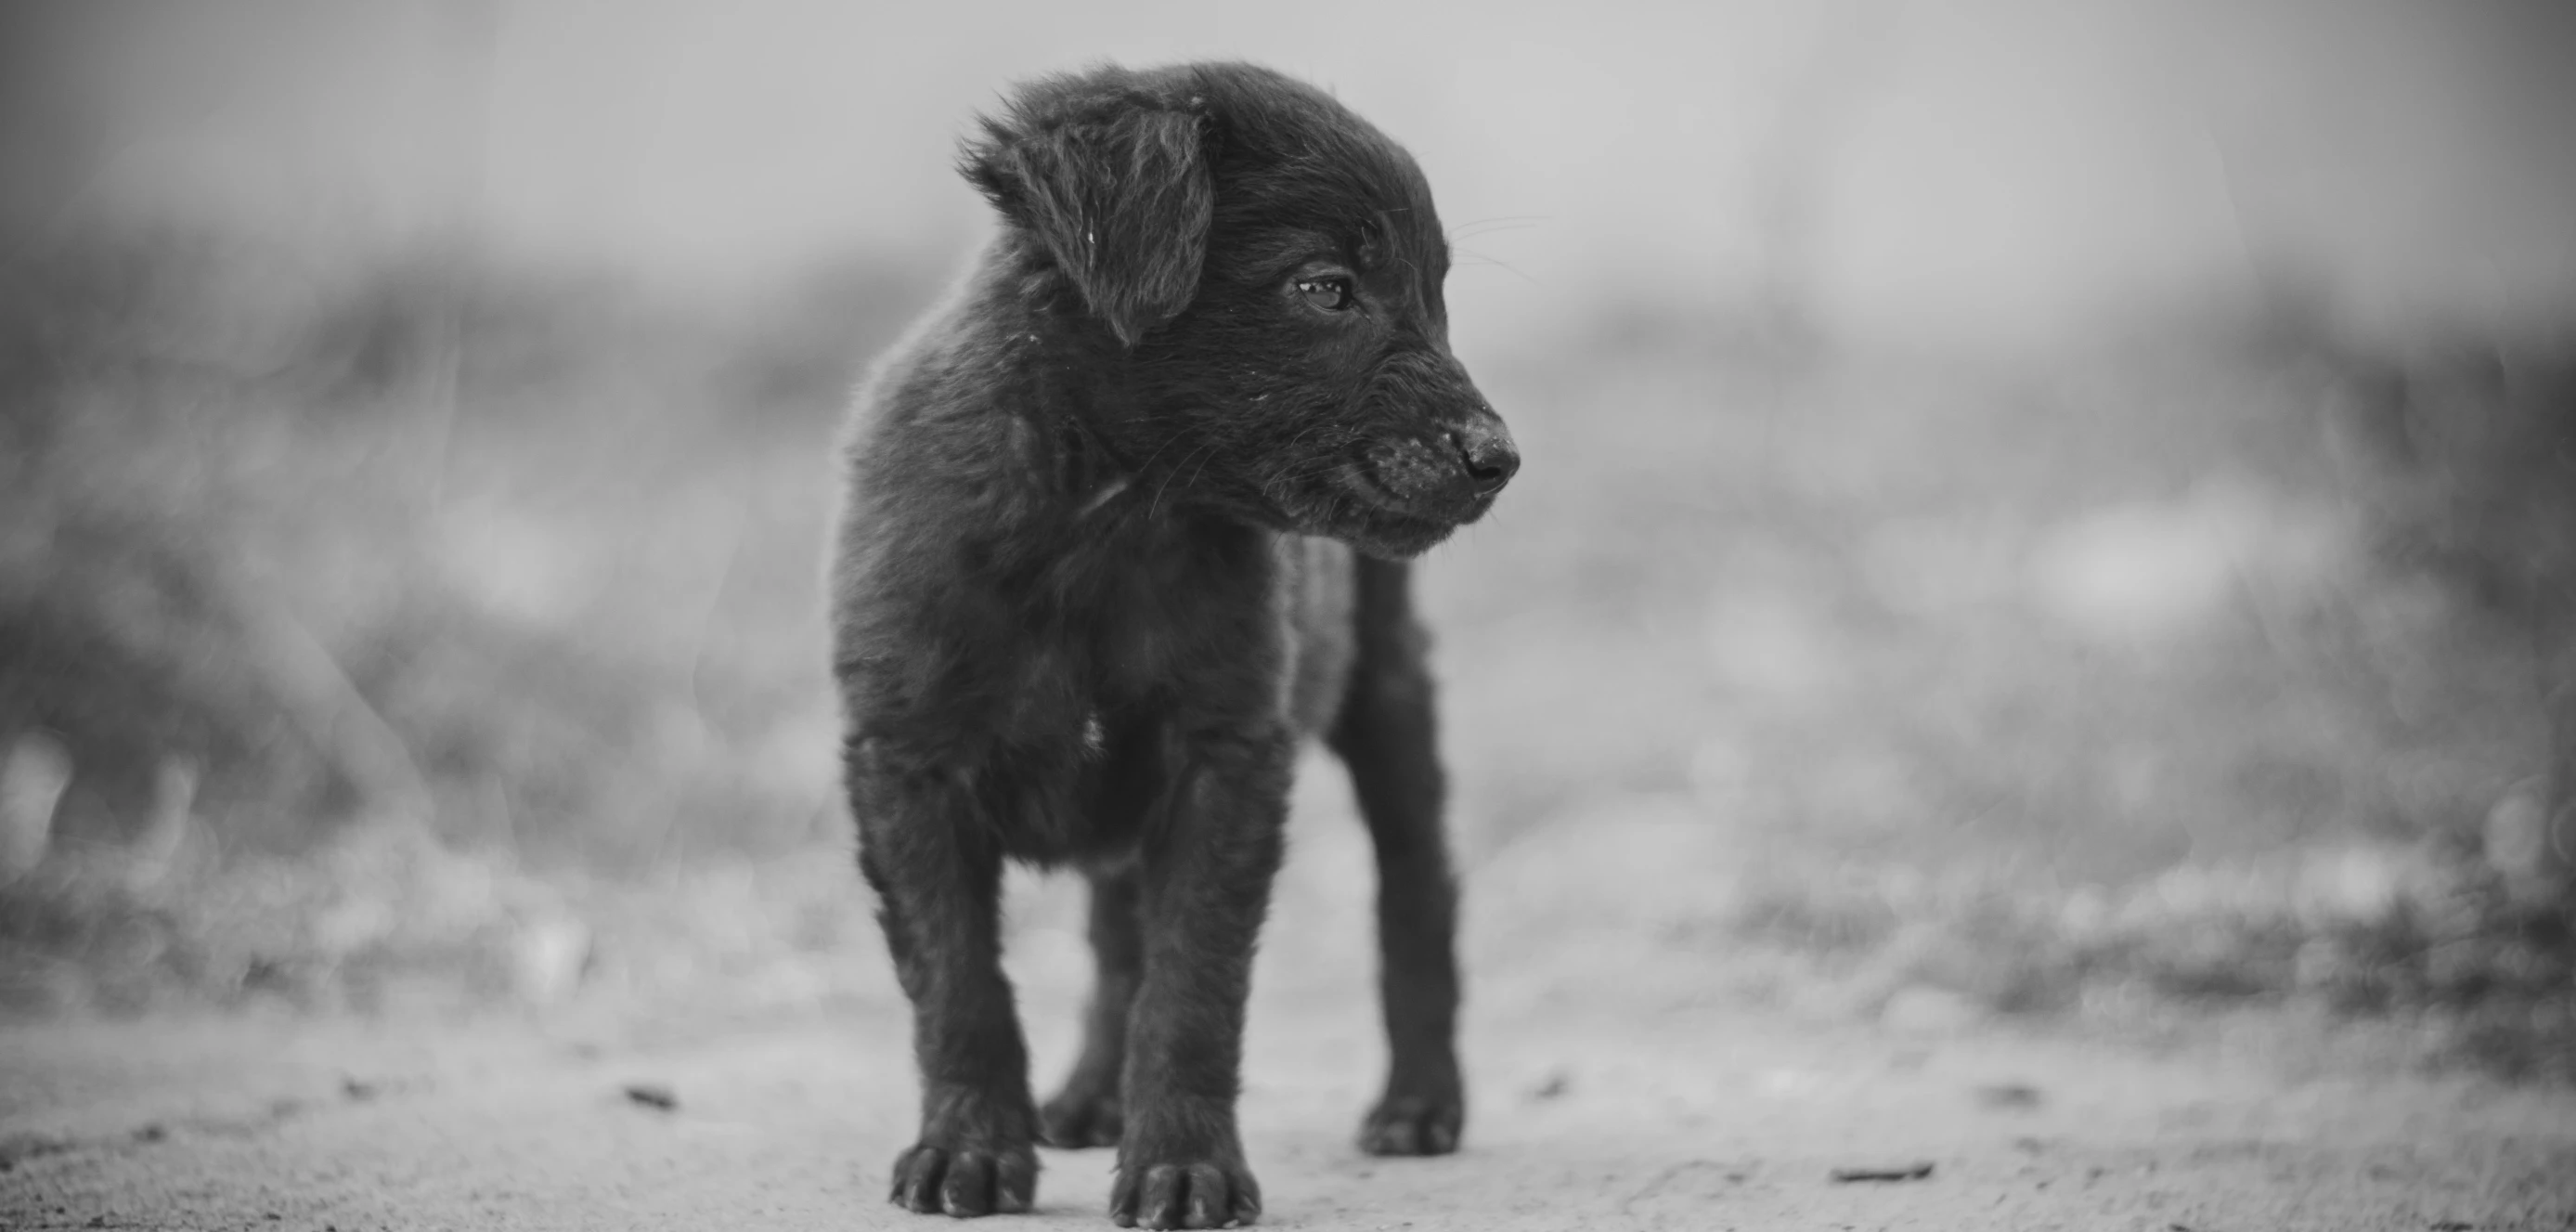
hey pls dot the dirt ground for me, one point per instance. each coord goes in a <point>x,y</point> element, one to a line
<point>1599,1116</point>
<point>1619,1080</point>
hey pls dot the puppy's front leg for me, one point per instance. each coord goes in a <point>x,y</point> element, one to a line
<point>1207,885</point>
<point>939,890</point>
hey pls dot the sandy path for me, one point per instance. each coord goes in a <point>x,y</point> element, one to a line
<point>1616,1082</point>
<point>1679,1119</point>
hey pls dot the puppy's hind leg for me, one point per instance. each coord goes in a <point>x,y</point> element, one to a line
<point>1086,1111</point>
<point>1387,736</point>
<point>939,898</point>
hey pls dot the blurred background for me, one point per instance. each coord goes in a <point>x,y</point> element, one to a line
<point>2031,509</point>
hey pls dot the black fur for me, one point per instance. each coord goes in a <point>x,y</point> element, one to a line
<point>1094,581</point>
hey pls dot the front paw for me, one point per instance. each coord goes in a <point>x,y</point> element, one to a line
<point>964,1181</point>
<point>1201,1193</point>
<point>1080,1117</point>
<point>1414,1124</point>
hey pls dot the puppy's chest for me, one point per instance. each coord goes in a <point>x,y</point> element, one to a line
<point>1153,639</point>
<point>1083,730</point>
<point>1079,725</point>
<point>1261,644</point>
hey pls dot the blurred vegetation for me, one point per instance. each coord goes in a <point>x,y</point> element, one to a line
<point>428,559</point>
<point>449,621</point>
<point>2144,672</point>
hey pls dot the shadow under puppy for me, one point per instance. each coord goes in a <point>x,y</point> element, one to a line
<point>1094,581</point>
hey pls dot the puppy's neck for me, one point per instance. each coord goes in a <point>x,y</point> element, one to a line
<point>1091,472</point>
<point>1038,313</point>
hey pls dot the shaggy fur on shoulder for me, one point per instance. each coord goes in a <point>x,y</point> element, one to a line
<point>1095,579</point>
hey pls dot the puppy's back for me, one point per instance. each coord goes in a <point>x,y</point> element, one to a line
<point>931,449</point>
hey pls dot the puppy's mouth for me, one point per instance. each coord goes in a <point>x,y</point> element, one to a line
<point>1363,511</point>
<point>1363,481</point>
<point>1397,493</point>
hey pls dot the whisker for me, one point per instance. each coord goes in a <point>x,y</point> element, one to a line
<point>1500,222</point>
<point>1194,476</point>
<point>1157,506</point>
<point>1498,263</point>
<point>1148,463</point>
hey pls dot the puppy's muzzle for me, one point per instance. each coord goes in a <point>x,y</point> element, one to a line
<point>1453,454</point>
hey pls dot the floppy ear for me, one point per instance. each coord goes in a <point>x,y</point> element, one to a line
<point>1121,199</point>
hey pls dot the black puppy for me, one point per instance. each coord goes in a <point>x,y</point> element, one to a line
<point>1093,584</point>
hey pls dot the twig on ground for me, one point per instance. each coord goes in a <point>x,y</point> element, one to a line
<point>1911,1172</point>
<point>653,1095</point>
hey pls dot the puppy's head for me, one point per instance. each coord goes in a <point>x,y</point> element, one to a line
<point>1250,276</point>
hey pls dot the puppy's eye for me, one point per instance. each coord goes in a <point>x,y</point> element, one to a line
<point>1330,294</point>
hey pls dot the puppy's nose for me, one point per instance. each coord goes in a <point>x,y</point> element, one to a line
<point>1486,447</point>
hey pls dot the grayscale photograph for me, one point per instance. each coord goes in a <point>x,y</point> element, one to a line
<point>827,614</point>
